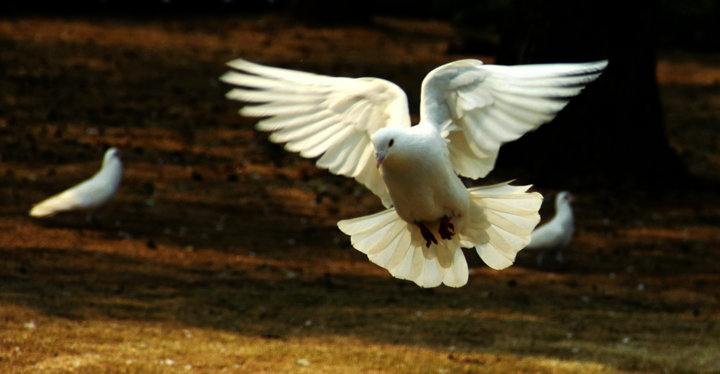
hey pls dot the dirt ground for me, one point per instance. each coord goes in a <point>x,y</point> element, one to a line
<point>220,251</point>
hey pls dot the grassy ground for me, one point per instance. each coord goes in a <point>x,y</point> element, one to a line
<point>220,252</point>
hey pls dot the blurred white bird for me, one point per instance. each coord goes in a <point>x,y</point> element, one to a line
<point>556,233</point>
<point>360,128</point>
<point>88,195</point>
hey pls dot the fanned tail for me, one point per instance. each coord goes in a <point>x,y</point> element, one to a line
<point>501,220</point>
<point>498,224</point>
<point>397,246</point>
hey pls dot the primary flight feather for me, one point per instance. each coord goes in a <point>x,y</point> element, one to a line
<point>360,128</point>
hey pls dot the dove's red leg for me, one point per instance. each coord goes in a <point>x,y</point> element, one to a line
<point>426,234</point>
<point>447,229</point>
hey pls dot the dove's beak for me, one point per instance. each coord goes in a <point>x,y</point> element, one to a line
<point>379,156</point>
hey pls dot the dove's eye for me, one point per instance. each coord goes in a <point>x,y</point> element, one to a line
<point>391,142</point>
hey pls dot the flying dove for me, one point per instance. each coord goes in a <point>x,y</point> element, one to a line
<point>361,128</point>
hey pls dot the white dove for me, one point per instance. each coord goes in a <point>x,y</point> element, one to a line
<point>556,233</point>
<point>361,128</point>
<point>88,195</point>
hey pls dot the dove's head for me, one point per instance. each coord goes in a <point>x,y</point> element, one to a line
<point>112,154</point>
<point>563,198</point>
<point>386,141</point>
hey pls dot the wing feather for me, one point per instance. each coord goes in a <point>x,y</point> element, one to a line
<point>291,120</point>
<point>315,146</point>
<point>304,132</point>
<point>494,104</point>
<point>321,116</point>
<point>279,109</point>
<point>355,160</point>
<point>334,159</point>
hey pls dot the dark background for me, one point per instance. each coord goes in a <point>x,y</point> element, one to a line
<point>615,131</point>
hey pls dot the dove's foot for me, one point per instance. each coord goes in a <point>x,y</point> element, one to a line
<point>447,229</point>
<point>426,234</point>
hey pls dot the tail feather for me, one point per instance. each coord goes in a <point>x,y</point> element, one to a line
<point>392,243</point>
<point>367,223</point>
<point>377,241</point>
<point>54,204</point>
<point>390,259</point>
<point>408,264</point>
<point>512,214</point>
<point>498,225</point>
<point>505,203</point>
<point>399,259</point>
<point>42,211</point>
<point>510,223</point>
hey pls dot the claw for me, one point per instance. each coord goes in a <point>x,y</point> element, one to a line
<point>446,229</point>
<point>427,235</point>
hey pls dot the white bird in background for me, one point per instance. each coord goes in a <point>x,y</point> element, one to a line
<point>556,233</point>
<point>360,128</point>
<point>88,195</point>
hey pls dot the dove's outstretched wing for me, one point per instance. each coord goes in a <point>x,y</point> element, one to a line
<point>317,115</point>
<point>479,107</point>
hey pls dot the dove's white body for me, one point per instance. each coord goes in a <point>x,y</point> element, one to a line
<point>467,110</point>
<point>420,178</point>
<point>88,195</point>
<point>557,232</point>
